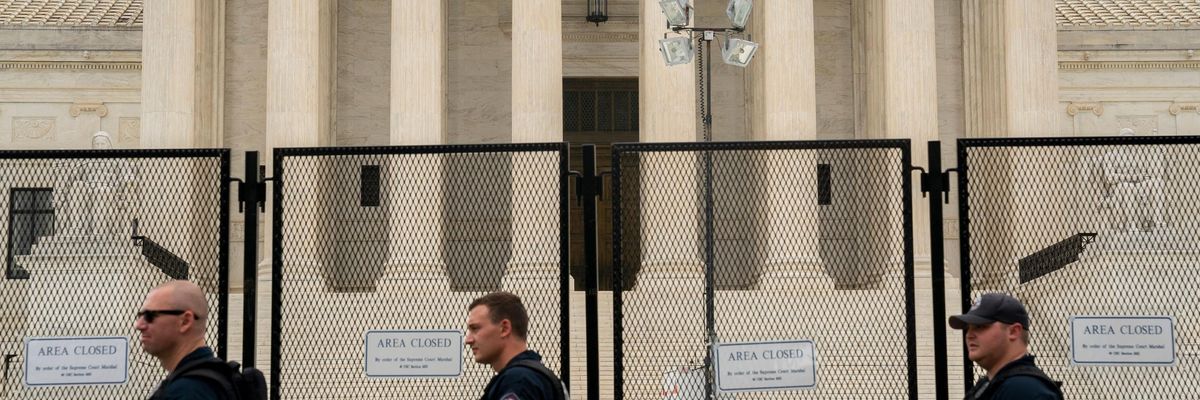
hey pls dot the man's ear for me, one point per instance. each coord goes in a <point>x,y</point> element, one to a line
<point>1014,332</point>
<point>186,320</point>
<point>505,328</point>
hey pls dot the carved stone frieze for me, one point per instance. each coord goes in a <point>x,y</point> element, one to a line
<point>1180,108</point>
<point>89,107</point>
<point>1142,125</point>
<point>1076,108</point>
<point>129,131</point>
<point>33,128</point>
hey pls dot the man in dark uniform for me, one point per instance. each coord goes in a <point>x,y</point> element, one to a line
<point>497,328</point>
<point>997,333</point>
<point>172,324</point>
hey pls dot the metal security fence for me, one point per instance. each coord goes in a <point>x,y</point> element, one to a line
<point>86,235</point>
<point>379,240</point>
<point>1098,236</point>
<point>801,249</point>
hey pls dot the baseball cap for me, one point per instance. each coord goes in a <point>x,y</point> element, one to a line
<point>993,307</point>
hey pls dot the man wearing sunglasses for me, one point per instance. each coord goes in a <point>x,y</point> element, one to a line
<point>997,333</point>
<point>172,323</point>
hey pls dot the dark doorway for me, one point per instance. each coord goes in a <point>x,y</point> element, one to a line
<point>599,111</point>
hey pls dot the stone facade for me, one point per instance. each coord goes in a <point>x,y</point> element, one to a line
<point>63,78</point>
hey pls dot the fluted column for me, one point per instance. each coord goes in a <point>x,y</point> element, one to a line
<point>1011,89</point>
<point>670,277</point>
<point>537,117</point>
<point>902,88</point>
<point>784,71</point>
<point>537,71</point>
<point>418,112</point>
<point>784,108</point>
<point>418,97</point>
<point>901,104</point>
<point>537,109</point>
<point>666,95</point>
<point>667,108</point>
<point>180,52</point>
<point>299,63</point>
<point>1010,52</point>
<point>299,49</point>
<point>180,107</point>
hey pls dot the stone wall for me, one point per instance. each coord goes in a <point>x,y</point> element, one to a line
<point>58,87</point>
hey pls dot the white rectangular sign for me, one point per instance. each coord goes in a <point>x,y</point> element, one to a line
<point>413,354</point>
<point>69,361</point>
<point>1123,340</point>
<point>762,366</point>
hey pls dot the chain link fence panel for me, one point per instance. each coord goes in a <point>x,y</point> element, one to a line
<point>1088,227</point>
<point>404,238</point>
<point>743,243</point>
<point>87,234</point>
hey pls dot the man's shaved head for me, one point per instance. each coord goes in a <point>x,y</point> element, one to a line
<point>183,295</point>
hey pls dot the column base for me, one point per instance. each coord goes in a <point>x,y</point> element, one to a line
<point>427,276</point>
<point>806,273</point>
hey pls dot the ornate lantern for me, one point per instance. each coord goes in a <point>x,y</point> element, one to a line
<point>597,11</point>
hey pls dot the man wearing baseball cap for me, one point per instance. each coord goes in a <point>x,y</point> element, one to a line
<point>997,334</point>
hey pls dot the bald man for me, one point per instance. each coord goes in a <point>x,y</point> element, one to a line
<point>172,322</point>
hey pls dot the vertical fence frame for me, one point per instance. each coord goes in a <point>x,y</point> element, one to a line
<point>707,148</point>
<point>963,152</point>
<point>279,179</point>
<point>222,157</point>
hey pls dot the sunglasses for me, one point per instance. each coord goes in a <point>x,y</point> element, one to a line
<point>150,315</point>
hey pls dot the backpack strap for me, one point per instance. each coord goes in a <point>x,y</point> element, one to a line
<point>1024,370</point>
<point>215,372</point>
<point>561,391</point>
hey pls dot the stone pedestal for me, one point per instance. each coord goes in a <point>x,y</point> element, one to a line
<point>1118,275</point>
<point>88,286</point>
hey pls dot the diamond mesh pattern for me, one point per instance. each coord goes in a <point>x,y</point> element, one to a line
<point>1138,196</point>
<point>76,272</point>
<point>784,265</point>
<point>453,223</point>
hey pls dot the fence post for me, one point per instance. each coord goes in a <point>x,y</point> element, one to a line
<point>588,188</point>
<point>935,185</point>
<point>251,196</point>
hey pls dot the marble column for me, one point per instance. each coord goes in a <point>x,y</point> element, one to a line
<point>670,277</point>
<point>418,117</point>
<point>1010,52</point>
<point>537,107</point>
<point>784,72</point>
<point>537,71</point>
<point>418,71</point>
<point>181,108</point>
<point>180,61</point>
<point>1010,86</point>
<point>299,63</point>
<point>667,108</point>
<point>901,88</point>
<point>783,87</point>
<point>536,117</point>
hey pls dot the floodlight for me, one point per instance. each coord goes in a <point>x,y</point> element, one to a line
<point>739,12</point>
<point>676,50</point>
<point>676,11</point>
<point>738,52</point>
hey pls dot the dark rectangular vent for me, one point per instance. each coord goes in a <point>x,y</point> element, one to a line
<point>824,184</point>
<point>369,186</point>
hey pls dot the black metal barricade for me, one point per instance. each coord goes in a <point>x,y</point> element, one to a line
<point>87,234</point>
<point>387,241</point>
<point>1098,237</point>
<point>733,253</point>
